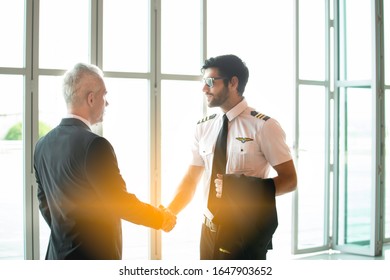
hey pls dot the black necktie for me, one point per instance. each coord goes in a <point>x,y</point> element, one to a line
<point>219,163</point>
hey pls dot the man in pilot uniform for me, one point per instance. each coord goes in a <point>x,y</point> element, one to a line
<point>239,205</point>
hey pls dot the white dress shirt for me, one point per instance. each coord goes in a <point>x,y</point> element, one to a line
<point>255,143</point>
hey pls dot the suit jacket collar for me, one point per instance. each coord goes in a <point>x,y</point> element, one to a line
<point>74,121</point>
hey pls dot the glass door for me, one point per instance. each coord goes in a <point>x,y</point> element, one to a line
<point>339,127</point>
<point>357,210</point>
<point>313,104</point>
<point>359,115</point>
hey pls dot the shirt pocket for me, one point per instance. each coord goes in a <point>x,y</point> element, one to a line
<point>244,156</point>
<point>207,154</point>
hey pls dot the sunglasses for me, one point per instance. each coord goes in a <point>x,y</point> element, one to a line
<point>210,81</point>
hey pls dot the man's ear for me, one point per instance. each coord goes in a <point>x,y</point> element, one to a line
<point>90,98</point>
<point>234,82</point>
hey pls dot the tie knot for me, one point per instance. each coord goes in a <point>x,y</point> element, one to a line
<point>225,118</point>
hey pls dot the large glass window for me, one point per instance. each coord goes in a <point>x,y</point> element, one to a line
<point>358,181</point>
<point>312,113</point>
<point>126,35</point>
<point>127,114</point>
<point>126,48</point>
<point>126,45</point>
<point>63,33</point>
<point>312,44</point>
<point>181,108</point>
<point>355,166</point>
<point>11,32</point>
<point>51,102</point>
<point>11,164</point>
<point>180,37</point>
<point>312,152</point>
<point>350,122</point>
<point>355,40</point>
<point>178,125</point>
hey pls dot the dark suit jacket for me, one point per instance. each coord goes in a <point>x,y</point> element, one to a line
<point>246,216</point>
<point>82,195</point>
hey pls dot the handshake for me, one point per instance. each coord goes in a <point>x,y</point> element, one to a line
<point>169,219</point>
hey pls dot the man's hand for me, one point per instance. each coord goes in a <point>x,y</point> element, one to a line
<point>218,185</point>
<point>169,219</point>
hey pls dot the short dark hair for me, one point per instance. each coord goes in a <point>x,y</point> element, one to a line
<point>229,66</point>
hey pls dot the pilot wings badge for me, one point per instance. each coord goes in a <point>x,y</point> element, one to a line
<point>244,139</point>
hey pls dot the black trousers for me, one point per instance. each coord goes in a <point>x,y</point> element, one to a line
<point>208,250</point>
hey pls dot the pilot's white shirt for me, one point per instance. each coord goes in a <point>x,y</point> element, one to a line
<point>255,143</point>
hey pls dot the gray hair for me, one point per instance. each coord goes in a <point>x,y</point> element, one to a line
<point>72,78</point>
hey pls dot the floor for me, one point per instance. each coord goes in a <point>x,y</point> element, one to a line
<point>344,266</point>
<point>335,255</point>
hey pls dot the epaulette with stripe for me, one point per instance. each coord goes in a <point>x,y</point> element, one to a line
<point>205,119</point>
<point>260,116</point>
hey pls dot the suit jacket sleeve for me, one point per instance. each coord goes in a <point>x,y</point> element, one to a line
<point>43,205</point>
<point>247,214</point>
<point>104,175</point>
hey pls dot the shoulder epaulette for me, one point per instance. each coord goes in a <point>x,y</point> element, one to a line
<point>205,119</point>
<point>260,116</point>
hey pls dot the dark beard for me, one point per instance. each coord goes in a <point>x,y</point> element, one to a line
<point>221,98</point>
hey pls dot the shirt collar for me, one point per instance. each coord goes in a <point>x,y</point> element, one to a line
<point>80,118</point>
<point>237,110</point>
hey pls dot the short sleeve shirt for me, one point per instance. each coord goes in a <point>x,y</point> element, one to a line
<point>255,143</point>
